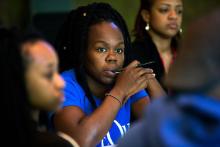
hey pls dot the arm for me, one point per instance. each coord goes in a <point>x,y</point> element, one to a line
<point>155,91</point>
<point>154,88</point>
<point>89,130</point>
<point>138,107</point>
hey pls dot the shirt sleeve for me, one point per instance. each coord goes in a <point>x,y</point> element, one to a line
<point>73,93</point>
<point>139,95</point>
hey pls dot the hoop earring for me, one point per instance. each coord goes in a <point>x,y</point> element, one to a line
<point>147,28</point>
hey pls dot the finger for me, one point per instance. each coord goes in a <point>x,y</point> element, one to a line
<point>138,72</point>
<point>138,85</point>
<point>148,70</point>
<point>149,76</point>
<point>142,83</point>
<point>144,80</point>
<point>133,64</point>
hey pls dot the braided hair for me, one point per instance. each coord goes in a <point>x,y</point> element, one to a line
<point>72,40</point>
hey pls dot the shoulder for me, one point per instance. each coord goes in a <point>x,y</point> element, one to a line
<point>73,92</point>
<point>71,83</point>
<point>69,74</point>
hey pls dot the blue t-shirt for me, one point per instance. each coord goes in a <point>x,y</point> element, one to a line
<point>75,96</point>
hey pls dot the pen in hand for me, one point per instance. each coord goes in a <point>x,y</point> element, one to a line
<point>139,65</point>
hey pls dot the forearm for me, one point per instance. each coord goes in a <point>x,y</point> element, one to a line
<point>91,129</point>
<point>154,88</point>
<point>138,107</point>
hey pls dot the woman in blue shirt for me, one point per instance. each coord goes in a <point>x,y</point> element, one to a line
<point>91,45</point>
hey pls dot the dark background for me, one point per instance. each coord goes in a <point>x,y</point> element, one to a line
<point>47,15</point>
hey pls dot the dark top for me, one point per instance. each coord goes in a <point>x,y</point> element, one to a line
<point>144,50</point>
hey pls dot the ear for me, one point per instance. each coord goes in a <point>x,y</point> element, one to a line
<point>145,15</point>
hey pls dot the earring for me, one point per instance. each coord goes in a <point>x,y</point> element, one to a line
<point>180,30</point>
<point>147,28</point>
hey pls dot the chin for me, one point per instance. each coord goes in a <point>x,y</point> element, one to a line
<point>108,81</point>
<point>171,33</point>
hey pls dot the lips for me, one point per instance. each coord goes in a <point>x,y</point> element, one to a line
<point>109,73</point>
<point>173,26</point>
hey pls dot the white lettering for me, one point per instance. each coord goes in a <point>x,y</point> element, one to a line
<point>108,141</point>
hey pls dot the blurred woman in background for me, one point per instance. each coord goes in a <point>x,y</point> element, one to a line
<point>31,83</point>
<point>157,32</point>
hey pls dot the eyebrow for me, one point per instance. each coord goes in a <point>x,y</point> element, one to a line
<point>179,6</point>
<point>100,41</point>
<point>167,4</point>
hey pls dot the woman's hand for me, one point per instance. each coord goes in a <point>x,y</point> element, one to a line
<point>131,80</point>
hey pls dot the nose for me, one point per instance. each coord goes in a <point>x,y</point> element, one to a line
<point>173,14</point>
<point>59,82</point>
<point>111,56</point>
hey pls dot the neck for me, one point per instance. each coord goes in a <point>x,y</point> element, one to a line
<point>96,88</point>
<point>163,44</point>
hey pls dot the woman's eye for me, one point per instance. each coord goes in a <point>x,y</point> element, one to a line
<point>163,10</point>
<point>179,11</point>
<point>48,75</point>
<point>101,49</point>
<point>119,50</point>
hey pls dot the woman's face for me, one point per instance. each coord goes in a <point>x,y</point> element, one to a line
<point>105,53</point>
<point>165,17</point>
<point>44,83</point>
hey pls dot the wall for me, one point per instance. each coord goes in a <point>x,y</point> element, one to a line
<point>19,12</point>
